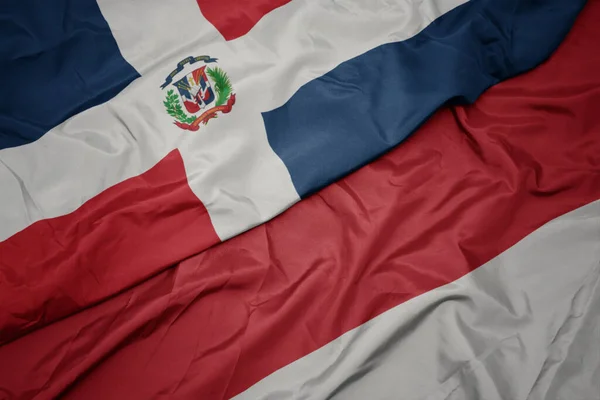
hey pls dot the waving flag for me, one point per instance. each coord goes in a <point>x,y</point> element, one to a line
<point>130,144</point>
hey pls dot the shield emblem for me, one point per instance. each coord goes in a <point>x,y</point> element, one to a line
<point>195,90</point>
<point>200,95</point>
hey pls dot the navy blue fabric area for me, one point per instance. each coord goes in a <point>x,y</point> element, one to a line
<point>369,104</point>
<point>57,58</point>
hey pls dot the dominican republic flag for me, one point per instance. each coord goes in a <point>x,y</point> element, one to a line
<point>444,156</point>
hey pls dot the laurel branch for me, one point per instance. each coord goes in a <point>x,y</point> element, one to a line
<point>175,110</point>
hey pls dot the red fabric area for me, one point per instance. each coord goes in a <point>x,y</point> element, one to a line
<point>235,18</point>
<point>122,236</point>
<point>471,183</point>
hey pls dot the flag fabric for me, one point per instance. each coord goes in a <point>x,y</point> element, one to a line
<point>102,155</point>
<point>463,264</point>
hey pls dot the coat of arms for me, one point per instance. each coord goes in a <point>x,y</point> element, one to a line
<point>195,94</point>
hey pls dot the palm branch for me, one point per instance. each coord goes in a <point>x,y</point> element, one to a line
<point>222,84</point>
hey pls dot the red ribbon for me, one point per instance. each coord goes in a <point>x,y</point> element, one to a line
<point>207,115</point>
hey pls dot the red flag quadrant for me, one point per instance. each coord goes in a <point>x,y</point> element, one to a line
<point>234,18</point>
<point>116,239</point>
<point>471,183</point>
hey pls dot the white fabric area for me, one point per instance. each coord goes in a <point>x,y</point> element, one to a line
<point>526,325</point>
<point>229,163</point>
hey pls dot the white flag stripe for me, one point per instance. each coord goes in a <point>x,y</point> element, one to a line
<point>152,32</point>
<point>230,165</point>
<point>496,333</point>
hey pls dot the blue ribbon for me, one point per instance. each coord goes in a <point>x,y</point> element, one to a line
<point>182,63</point>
